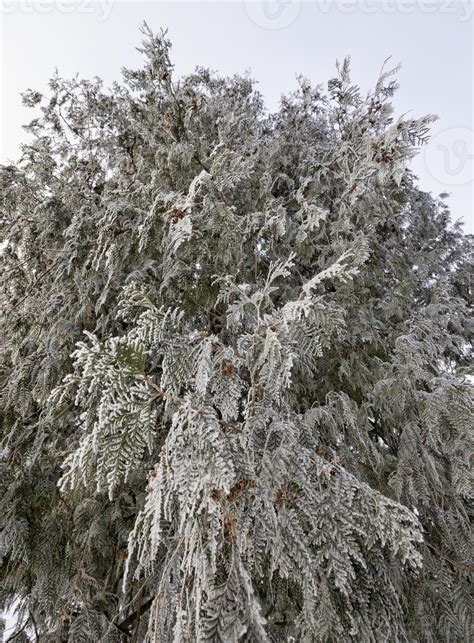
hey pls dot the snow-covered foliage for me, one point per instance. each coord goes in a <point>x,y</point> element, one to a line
<point>235,348</point>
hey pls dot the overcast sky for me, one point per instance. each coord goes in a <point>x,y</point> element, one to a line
<point>275,41</point>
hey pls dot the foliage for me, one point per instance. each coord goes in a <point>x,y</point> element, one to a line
<point>266,314</point>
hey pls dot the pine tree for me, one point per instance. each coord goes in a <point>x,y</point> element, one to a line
<point>235,359</point>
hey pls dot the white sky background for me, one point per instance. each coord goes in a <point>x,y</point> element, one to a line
<point>275,41</point>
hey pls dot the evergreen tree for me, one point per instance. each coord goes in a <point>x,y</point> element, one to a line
<point>234,368</point>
